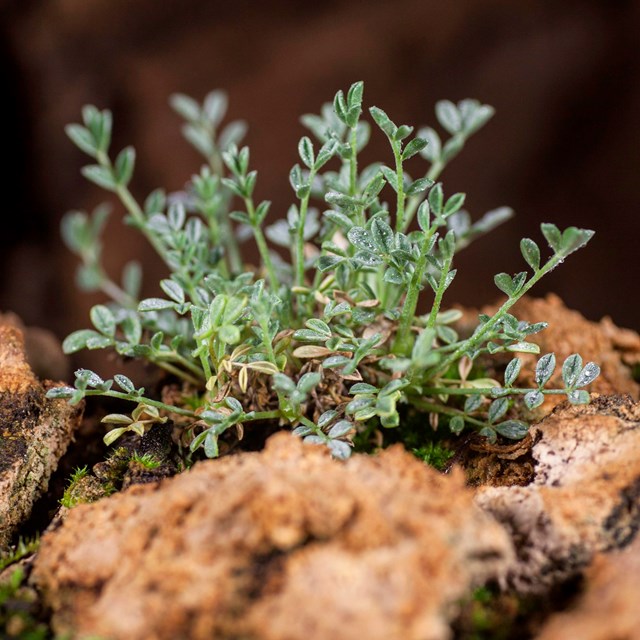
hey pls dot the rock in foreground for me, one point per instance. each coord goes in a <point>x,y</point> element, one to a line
<point>286,544</point>
<point>34,434</point>
<point>609,607</point>
<point>585,496</point>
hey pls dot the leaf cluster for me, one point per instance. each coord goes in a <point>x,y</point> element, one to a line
<point>327,340</point>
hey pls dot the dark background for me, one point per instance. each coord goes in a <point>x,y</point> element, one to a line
<point>563,147</point>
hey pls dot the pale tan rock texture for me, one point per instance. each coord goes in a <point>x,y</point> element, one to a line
<point>286,544</point>
<point>609,607</point>
<point>34,434</point>
<point>585,495</point>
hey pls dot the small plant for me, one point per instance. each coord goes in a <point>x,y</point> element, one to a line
<point>330,341</point>
<point>70,497</point>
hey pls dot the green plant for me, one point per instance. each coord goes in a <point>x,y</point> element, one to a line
<point>336,326</point>
<point>70,497</point>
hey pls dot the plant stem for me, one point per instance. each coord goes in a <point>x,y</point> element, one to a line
<point>302,218</point>
<point>446,267</point>
<point>353,164</point>
<point>414,201</point>
<point>433,407</point>
<point>476,338</point>
<point>402,343</point>
<point>400,224</point>
<point>262,245</point>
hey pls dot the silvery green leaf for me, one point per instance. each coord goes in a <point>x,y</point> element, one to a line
<point>382,235</point>
<point>424,215</point>
<point>103,320</point>
<point>173,290</point>
<point>215,107</point>
<point>383,121</point>
<point>446,334</point>
<point>185,106</point>
<point>123,167</point>
<point>578,396</point>
<point>436,198</point>
<point>339,449</point>
<point>588,374</point>
<point>574,239</point>
<point>552,235</point>
<point>390,176</point>
<point>524,347</point>
<point>393,276</point>
<point>512,429</point>
<point>454,204</point>
<point>309,381</point>
<point>456,425</point>
<point>307,335</point>
<point>82,138</point>
<point>512,371</point>
<point>124,383</point>
<point>545,368</point>
<point>571,369</point>
<point>504,282</point>
<point>414,146</point>
<point>358,404</point>
<point>363,387</point>
<point>497,409</point>
<point>211,444</point>
<point>361,238</point>
<point>60,392</point>
<point>233,404</point>
<point>154,304</point>
<point>530,252</point>
<point>333,362</point>
<point>367,258</point>
<point>302,431</point>
<point>489,434</point>
<point>340,429</point>
<point>533,399</point>
<point>473,403</point>
<point>78,340</point>
<point>305,149</point>
<point>232,134</point>
<point>434,147</point>
<point>99,175</point>
<point>315,324</point>
<point>229,334</point>
<point>326,418</point>
<point>448,116</point>
<point>418,186</point>
<point>324,263</point>
<point>88,377</point>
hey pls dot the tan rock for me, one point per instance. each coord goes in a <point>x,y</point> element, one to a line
<point>34,434</point>
<point>608,608</point>
<point>284,544</point>
<point>585,496</point>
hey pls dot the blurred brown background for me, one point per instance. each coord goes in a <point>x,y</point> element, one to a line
<point>563,147</point>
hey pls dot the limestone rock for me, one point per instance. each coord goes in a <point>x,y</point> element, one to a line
<point>284,544</point>
<point>609,606</point>
<point>585,495</point>
<point>34,434</point>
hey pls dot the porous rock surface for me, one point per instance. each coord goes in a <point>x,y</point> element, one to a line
<point>284,544</point>
<point>34,434</point>
<point>585,495</point>
<point>608,608</point>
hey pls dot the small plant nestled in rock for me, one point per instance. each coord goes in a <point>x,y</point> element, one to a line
<point>329,342</point>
